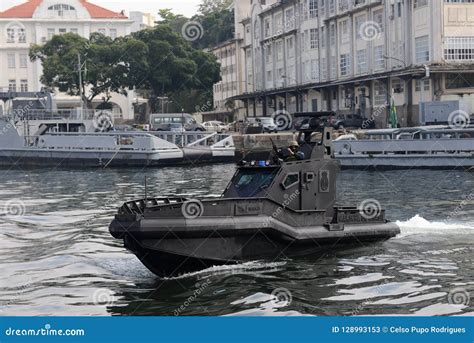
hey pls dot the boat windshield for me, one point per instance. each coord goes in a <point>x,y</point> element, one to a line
<point>253,182</point>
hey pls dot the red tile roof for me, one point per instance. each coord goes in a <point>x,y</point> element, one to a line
<point>27,9</point>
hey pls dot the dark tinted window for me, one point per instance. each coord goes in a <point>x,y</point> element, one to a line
<point>251,182</point>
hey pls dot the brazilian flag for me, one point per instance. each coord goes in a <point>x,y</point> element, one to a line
<point>393,115</point>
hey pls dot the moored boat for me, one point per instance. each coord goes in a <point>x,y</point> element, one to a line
<point>434,147</point>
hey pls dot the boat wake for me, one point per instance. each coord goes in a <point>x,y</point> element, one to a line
<point>419,225</point>
<point>241,268</point>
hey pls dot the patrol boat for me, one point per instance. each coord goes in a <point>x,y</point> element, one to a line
<point>271,208</point>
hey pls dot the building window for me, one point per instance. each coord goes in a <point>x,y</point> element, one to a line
<point>380,93</point>
<point>102,31</point>
<point>398,85</point>
<point>421,3</point>
<point>12,85</point>
<point>359,21</point>
<point>16,33</point>
<point>51,33</point>
<point>324,69</point>
<point>314,69</point>
<point>62,31</point>
<point>268,55</point>
<point>10,35</point>
<point>313,8</point>
<point>362,66</point>
<point>459,48</point>
<point>61,9</point>
<point>425,83</point>
<point>24,86</point>
<point>379,60</point>
<point>422,49</point>
<point>345,64</point>
<point>323,37</point>
<point>23,61</point>
<point>268,28</point>
<point>290,47</point>
<point>279,48</point>
<point>113,33</point>
<point>75,31</point>
<point>269,76</point>
<point>378,18</point>
<point>332,34</point>
<point>11,61</point>
<point>455,81</point>
<point>21,35</point>
<point>314,38</point>
<point>290,19</point>
<point>333,67</point>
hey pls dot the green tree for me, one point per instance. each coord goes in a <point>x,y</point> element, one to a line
<point>108,66</point>
<point>207,7</point>
<point>175,66</point>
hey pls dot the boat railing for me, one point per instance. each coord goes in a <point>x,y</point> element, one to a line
<point>69,114</point>
<point>404,146</point>
<point>191,139</point>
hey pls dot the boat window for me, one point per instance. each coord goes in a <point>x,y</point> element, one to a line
<point>252,181</point>
<point>291,180</point>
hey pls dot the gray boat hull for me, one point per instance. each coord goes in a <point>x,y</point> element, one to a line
<point>171,246</point>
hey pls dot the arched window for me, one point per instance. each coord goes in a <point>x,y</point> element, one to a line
<point>61,9</point>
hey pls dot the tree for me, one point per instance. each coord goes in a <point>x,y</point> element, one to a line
<point>108,66</point>
<point>175,66</point>
<point>207,7</point>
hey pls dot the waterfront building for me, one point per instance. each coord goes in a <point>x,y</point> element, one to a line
<point>356,56</point>
<point>37,21</point>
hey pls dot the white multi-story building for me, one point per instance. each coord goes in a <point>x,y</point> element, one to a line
<point>142,21</point>
<point>231,83</point>
<point>357,56</point>
<point>37,21</point>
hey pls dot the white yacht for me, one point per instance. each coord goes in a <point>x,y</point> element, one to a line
<point>434,147</point>
<point>74,141</point>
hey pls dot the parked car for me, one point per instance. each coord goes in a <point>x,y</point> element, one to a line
<point>267,122</point>
<point>216,126</point>
<point>312,120</point>
<point>163,122</point>
<point>343,121</point>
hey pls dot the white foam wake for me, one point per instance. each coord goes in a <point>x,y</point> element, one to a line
<point>419,225</point>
